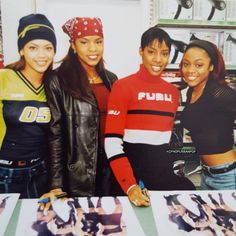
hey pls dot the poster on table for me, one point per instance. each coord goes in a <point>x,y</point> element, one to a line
<point>211,213</point>
<point>7,205</point>
<point>79,216</point>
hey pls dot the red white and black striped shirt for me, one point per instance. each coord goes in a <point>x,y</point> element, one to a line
<point>141,109</point>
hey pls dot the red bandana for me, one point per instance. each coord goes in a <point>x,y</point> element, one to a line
<point>79,27</point>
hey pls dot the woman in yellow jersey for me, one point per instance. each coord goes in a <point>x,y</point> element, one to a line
<point>24,114</point>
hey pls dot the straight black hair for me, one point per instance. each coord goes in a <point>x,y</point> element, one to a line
<point>155,33</point>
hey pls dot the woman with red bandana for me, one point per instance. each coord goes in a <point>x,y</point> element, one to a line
<point>77,96</point>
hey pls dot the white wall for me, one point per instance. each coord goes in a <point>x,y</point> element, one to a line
<point>124,21</point>
<point>12,11</point>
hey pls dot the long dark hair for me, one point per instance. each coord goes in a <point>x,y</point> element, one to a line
<point>18,65</point>
<point>74,78</point>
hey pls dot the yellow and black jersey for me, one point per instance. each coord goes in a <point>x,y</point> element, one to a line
<point>24,117</point>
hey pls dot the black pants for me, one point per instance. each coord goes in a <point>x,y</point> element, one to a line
<point>106,183</point>
<point>153,165</point>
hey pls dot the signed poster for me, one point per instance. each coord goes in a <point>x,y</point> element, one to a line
<point>211,213</point>
<point>79,216</point>
<point>7,205</point>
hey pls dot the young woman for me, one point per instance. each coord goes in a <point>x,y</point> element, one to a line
<point>24,114</point>
<point>209,114</point>
<point>111,223</point>
<point>77,96</point>
<point>141,113</point>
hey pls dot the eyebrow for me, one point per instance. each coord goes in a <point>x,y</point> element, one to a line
<point>195,61</point>
<point>154,48</point>
<point>89,39</point>
<point>38,45</point>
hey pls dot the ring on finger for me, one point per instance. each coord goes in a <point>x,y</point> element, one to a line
<point>135,202</point>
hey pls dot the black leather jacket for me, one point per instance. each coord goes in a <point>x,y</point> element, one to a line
<point>73,138</point>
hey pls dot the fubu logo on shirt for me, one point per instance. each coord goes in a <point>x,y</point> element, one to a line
<point>155,96</point>
<point>113,112</point>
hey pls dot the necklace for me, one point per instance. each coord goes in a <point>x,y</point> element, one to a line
<point>95,79</point>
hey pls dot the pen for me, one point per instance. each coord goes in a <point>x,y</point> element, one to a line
<point>44,200</point>
<point>47,199</point>
<point>142,186</point>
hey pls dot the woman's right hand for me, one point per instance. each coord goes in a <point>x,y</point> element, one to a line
<point>46,200</point>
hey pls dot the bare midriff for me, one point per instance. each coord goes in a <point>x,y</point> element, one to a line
<point>219,159</point>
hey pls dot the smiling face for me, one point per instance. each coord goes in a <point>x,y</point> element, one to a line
<point>196,67</point>
<point>89,50</point>
<point>155,57</point>
<point>38,55</point>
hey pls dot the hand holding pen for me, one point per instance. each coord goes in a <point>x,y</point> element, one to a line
<point>47,199</point>
<point>139,195</point>
<point>144,190</point>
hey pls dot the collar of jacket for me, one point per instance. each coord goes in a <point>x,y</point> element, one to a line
<point>105,79</point>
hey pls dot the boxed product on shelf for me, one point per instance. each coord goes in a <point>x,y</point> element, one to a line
<point>229,50</point>
<point>231,10</point>
<point>212,10</point>
<point>183,36</point>
<point>171,76</point>
<point>176,9</point>
<point>205,34</point>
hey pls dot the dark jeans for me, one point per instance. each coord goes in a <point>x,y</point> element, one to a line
<point>30,182</point>
<point>154,166</point>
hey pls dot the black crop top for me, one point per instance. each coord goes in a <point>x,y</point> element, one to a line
<point>210,119</point>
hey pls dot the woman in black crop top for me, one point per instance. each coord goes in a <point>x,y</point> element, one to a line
<point>111,223</point>
<point>209,114</point>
